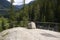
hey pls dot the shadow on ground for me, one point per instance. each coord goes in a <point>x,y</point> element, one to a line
<point>48,35</point>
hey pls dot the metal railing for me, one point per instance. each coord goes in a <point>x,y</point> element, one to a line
<point>48,25</point>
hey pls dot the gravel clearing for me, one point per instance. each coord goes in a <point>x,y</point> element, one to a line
<point>20,33</point>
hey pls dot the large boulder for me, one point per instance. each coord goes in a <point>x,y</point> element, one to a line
<point>32,25</point>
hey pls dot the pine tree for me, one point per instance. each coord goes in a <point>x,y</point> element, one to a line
<point>12,15</point>
<point>24,15</point>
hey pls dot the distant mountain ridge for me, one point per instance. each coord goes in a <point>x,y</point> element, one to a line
<point>17,7</point>
<point>21,6</point>
<point>4,4</point>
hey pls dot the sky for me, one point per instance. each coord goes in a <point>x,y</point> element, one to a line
<point>19,2</point>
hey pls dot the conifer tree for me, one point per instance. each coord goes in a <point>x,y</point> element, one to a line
<point>12,15</point>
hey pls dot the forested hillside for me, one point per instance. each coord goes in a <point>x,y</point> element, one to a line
<point>43,10</point>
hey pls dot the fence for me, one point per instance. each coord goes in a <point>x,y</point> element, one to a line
<point>48,25</point>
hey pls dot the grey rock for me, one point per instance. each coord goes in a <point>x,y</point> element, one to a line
<point>32,25</point>
<point>29,34</point>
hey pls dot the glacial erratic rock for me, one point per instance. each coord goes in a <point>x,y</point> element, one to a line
<point>31,25</point>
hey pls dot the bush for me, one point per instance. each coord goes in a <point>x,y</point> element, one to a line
<point>3,23</point>
<point>23,23</point>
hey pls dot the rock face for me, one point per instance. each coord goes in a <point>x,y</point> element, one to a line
<point>31,25</point>
<point>29,34</point>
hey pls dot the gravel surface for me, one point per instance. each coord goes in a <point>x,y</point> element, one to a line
<point>20,33</point>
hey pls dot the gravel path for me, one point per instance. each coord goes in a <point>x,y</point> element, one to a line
<point>29,34</point>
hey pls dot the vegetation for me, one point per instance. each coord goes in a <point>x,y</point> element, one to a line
<point>3,23</point>
<point>39,10</point>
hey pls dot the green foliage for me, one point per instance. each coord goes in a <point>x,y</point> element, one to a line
<point>3,23</point>
<point>23,23</point>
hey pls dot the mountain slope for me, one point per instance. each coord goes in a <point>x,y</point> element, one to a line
<point>17,7</point>
<point>4,4</point>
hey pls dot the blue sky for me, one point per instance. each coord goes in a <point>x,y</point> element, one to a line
<point>19,2</point>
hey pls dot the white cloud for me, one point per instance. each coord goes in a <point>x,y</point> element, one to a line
<point>19,2</point>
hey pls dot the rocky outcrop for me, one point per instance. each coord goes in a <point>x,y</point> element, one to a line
<point>29,34</point>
